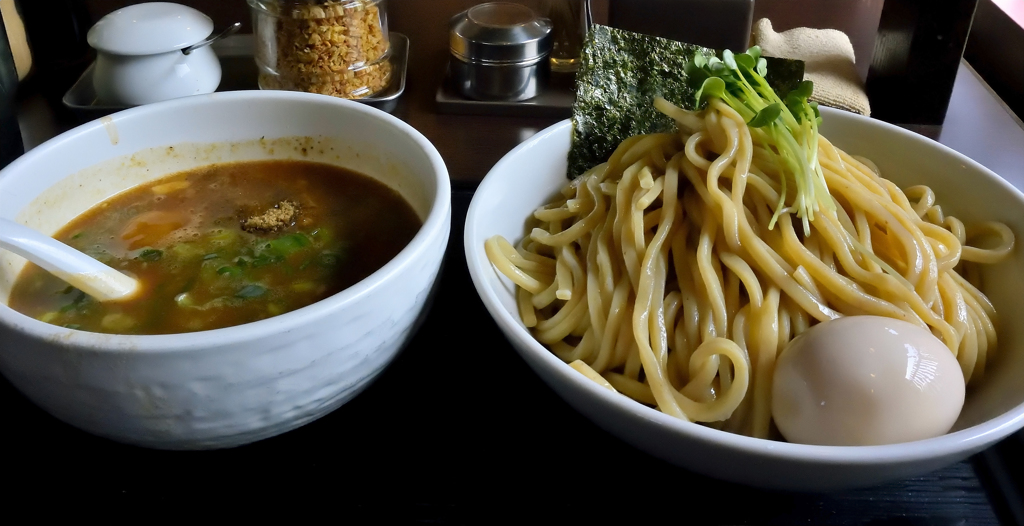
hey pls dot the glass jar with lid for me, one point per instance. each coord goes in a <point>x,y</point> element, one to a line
<point>333,47</point>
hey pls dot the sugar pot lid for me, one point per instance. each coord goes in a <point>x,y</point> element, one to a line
<point>149,28</point>
<point>500,32</point>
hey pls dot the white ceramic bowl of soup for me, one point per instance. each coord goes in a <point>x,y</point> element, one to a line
<point>230,386</point>
<point>533,173</point>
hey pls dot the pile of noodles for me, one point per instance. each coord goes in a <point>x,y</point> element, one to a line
<point>657,275</point>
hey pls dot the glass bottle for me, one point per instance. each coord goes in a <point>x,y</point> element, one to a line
<point>570,19</point>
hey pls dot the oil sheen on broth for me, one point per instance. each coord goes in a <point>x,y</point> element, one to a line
<point>183,238</point>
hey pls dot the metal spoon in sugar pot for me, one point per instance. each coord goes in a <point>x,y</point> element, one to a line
<point>232,29</point>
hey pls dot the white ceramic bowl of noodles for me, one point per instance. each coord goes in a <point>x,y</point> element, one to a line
<point>531,175</point>
<point>230,386</point>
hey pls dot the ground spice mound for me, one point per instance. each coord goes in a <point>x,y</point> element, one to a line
<point>282,215</point>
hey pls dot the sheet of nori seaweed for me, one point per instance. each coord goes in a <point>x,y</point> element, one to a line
<point>620,74</point>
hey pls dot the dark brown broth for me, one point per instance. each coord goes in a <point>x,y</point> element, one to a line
<point>200,270</point>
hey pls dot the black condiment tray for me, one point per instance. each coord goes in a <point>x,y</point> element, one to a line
<point>240,73</point>
<point>555,100</point>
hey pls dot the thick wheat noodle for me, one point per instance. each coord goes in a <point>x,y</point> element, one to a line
<point>659,271</point>
<point>765,327</point>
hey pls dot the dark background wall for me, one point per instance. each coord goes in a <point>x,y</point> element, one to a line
<point>996,50</point>
<point>994,47</point>
<point>857,18</point>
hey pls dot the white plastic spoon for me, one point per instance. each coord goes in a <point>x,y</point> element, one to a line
<point>79,270</point>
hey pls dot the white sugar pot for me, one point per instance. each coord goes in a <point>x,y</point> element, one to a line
<point>154,51</point>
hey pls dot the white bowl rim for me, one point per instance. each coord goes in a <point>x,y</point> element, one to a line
<point>974,437</point>
<point>437,216</point>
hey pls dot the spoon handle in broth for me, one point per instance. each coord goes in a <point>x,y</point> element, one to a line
<point>79,270</point>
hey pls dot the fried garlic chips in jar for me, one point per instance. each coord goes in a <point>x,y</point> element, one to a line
<point>678,270</point>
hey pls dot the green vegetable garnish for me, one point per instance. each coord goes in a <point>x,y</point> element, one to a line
<point>263,260</point>
<point>789,127</point>
<point>621,73</point>
<point>81,301</point>
<point>151,254</point>
<point>229,270</point>
<point>329,259</point>
<point>288,243</point>
<point>251,291</point>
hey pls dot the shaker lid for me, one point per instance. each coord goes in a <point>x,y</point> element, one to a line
<point>149,28</point>
<point>499,32</point>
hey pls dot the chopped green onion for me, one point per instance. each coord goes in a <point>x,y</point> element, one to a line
<point>328,259</point>
<point>251,291</point>
<point>151,254</point>
<point>303,286</point>
<point>117,322</point>
<point>289,243</point>
<point>81,300</point>
<point>184,300</point>
<point>263,260</point>
<point>229,270</point>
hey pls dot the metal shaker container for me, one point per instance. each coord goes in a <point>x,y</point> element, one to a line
<point>499,51</point>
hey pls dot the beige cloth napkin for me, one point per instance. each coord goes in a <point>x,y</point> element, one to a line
<point>829,63</point>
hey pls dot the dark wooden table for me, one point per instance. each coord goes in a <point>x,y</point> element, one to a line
<point>458,429</point>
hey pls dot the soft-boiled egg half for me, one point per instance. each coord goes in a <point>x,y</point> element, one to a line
<point>866,380</point>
